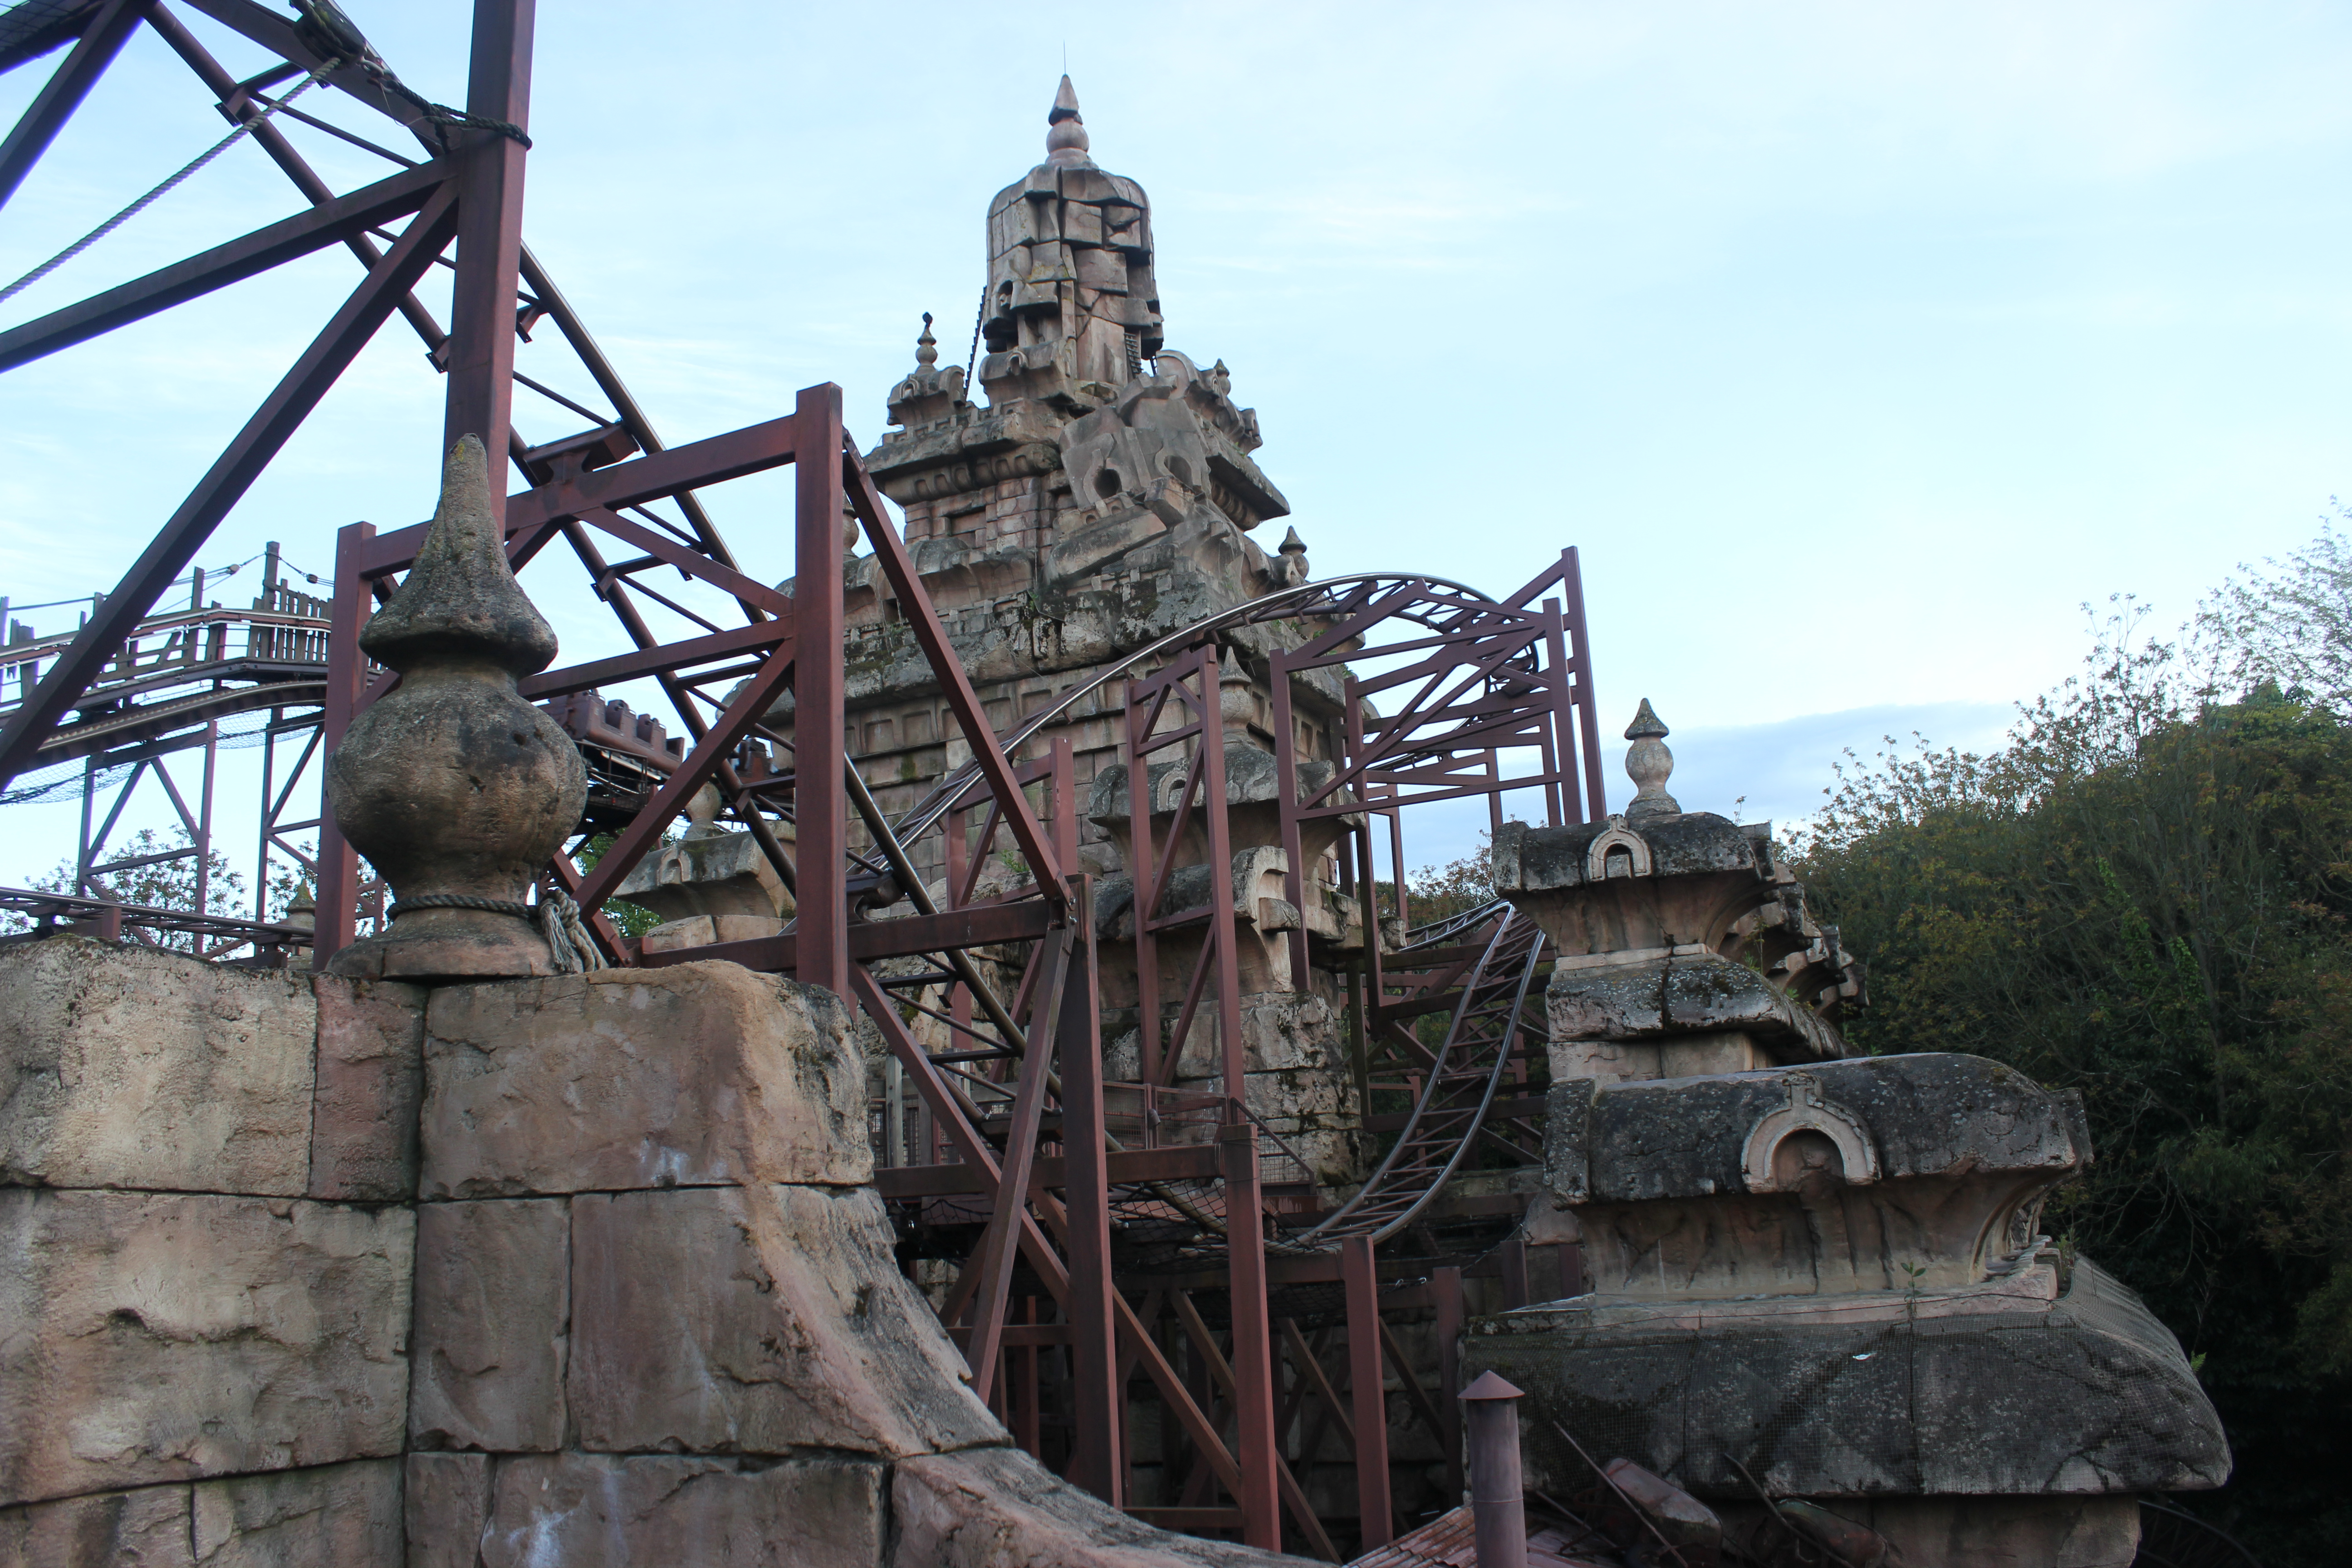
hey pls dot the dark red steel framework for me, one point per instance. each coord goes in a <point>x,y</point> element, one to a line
<point>1015,1128</point>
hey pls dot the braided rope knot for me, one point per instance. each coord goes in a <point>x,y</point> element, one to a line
<point>461,901</point>
<point>568,945</point>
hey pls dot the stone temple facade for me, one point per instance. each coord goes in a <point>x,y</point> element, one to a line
<point>1825,1267</point>
<point>1105,494</point>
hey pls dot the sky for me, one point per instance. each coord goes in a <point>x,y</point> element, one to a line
<point>1855,347</point>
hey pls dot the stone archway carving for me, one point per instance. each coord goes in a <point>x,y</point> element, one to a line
<point>1618,839</point>
<point>1806,1110</point>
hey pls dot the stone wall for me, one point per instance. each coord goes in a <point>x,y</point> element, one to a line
<point>583,1269</point>
<point>204,1267</point>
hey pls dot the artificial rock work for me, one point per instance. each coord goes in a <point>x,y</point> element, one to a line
<point>578,1269</point>
<point>581,1268</point>
<point>1824,1268</point>
<point>203,1346</point>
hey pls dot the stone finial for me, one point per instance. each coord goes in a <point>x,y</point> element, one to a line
<point>456,789</point>
<point>927,347</point>
<point>702,812</point>
<point>1237,706</point>
<point>1649,765</point>
<point>1065,140</point>
<point>460,601</point>
<point>1290,569</point>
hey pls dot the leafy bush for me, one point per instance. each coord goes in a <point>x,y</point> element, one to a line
<point>2145,896</point>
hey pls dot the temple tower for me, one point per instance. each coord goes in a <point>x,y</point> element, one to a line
<point>1100,495</point>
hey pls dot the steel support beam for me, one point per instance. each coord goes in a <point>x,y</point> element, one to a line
<point>338,891</point>
<point>1367,1380</point>
<point>1260,1495</point>
<point>751,450</point>
<point>1445,1284</point>
<point>101,39</point>
<point>272,140</point>
<point>946,667</point>
<point>177,542</point>
<point>820,799</point>
<point>338,220</point>
<point>275,34</point>
<point>489,233</point>
<point>1097,1463</point>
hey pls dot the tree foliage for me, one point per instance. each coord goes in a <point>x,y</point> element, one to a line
<point>630,920</point>
<point>2145,896</point>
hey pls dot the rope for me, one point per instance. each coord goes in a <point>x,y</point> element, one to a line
<point>568,945</point>
<point>458,901</point>
<point>127,214</point>
<point>442,115</point>
<point>568,941</point>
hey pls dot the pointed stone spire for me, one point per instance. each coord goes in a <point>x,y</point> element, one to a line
<point>1236,705</point>
<point>1065,140</point>
<point>1649,765</point>
<point>453,786</point>
<point>1290,569</point>
<point>460,599</point>
<point>927,347</point>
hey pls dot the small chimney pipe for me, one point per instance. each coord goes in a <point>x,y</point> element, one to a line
<point>1497,1508</point>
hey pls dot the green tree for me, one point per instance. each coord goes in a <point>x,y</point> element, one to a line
<point>633,920</point>
<point>2145,896</point>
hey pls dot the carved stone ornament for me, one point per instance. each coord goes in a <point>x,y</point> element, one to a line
<point>1832,1126</point>
<point>456,789</point>
<point>1649,765</point>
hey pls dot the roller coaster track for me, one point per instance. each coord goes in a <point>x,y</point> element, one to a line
<point>176,671</point>
<point>1459,1086</point>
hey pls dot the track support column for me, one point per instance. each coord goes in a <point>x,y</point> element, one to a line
<point>1253,1359</point>
<point>1098,1456</point>
<point>1367,1395</point>
<point>1446,1285</point>
<point>820,799</point>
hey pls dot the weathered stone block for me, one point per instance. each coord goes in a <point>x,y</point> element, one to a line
<point>687,931</point>
<point>122,1067</point>
<point>493,1304</point>
<point>348,1515</point>
<point>447,1502</point>
<point>698,1074</point>
<point>998,1508</point>
<point>755,1320</point>
<point>371,1079</point>
<point>590,1511</point>
<point>1690,991</point>
<point>163,1337</point>
<point>145,1527</point>
<point>2063,1531</point>
<point>2091,1394</point>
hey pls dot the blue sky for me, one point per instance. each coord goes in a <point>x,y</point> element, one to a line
<point>1855,346</point>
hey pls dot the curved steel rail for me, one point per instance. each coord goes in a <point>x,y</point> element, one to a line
<point>1461,1086</point>
<point>1438,932</point>
<point>1329,597</point>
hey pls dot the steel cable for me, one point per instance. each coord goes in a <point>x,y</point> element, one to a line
<point>127,214</point>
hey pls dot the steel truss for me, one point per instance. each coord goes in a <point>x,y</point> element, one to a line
<point>1015,1132</point>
